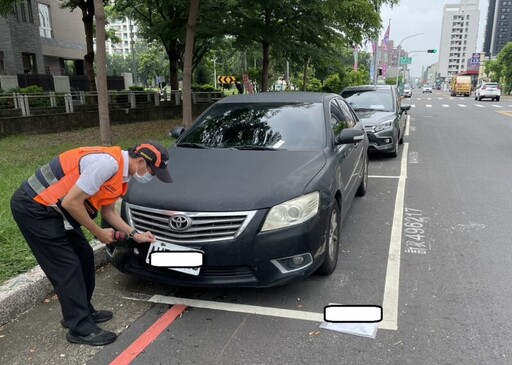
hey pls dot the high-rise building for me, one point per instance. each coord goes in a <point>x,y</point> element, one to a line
<point>498,30</point>
<point>126,31</point>
<point>459,36</point>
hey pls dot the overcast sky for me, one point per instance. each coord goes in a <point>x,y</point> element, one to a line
<point>423,16</point>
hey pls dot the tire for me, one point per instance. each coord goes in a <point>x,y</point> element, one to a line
<point>476,97</point>
<point>361,190</point>
<point>479,98</point>
<point>332,235</point>
<point>498,98</point>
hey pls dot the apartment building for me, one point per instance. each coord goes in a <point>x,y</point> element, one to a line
<point>459,35</point>
<point>126,30</point>
<point>498,30</point>
<point>38,37</point>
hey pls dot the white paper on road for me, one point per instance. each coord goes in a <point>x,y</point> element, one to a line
<point>359,329</point>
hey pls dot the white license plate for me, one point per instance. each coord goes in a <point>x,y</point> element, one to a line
<point>175,257</point>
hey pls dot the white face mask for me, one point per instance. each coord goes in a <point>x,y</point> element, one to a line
<point>144,179</point>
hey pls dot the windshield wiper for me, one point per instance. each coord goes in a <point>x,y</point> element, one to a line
<point>255,147</point>
<point>191,145</point>
<point>363,109</point>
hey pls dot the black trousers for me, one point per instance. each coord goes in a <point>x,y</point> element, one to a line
<point>66,257</point>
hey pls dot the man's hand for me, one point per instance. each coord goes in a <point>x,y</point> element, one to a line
<point>105,235</point>
<point>144,237</point>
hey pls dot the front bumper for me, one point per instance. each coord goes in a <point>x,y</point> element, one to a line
<point>382,141</point>
<point>249,260</point>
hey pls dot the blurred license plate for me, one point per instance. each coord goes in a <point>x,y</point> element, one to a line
<point>175,257</point>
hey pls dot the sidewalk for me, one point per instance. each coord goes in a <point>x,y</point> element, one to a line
<point>20,294</point>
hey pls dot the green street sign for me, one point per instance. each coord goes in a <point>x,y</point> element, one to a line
<point>405,60</point>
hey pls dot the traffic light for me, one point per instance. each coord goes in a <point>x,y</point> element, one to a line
<point>431,50</point>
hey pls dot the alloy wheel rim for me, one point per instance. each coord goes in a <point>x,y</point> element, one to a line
<point>333,234</point>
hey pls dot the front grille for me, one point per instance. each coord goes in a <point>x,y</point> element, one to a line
<point>204,226</point>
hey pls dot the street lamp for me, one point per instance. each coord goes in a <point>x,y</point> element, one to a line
<point>398,61</point>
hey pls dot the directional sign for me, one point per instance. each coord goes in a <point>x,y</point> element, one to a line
<point>226,79</point>
<point>405,60</point>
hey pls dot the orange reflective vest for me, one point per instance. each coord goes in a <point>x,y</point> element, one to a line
<point>51,182</point>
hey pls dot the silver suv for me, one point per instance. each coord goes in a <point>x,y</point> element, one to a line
<point>489,90</point>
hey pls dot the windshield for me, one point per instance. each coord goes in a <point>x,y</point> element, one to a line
<point>360,100</point>
<point>259,127</point>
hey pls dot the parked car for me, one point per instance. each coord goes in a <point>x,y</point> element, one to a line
<point>407,91</point>
<point>380,109</point>
<point>261,185</point>
<point>426,89</point>
<point>489,90</point>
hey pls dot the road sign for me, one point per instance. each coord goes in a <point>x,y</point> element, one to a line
<point>405,60</point>
<point>226,79</point>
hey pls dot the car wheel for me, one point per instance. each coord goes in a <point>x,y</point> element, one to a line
<point>498,98</point>
<point>476,97</point>
<point>332,237</point>
<point>361,191</point>
<point>479,98</point>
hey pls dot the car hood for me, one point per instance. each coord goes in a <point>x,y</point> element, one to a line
<point>371,118</point>
<point>229,180</point>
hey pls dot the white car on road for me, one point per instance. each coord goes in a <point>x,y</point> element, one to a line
<point>489,90</point>
<point>426,89</point>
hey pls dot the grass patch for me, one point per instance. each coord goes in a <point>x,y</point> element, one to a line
<point>21,155</point>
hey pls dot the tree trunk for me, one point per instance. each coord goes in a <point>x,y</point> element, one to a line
<point>101,62</point>
<point>305,79</point>
<point>187,67</point>
<point>173,55</point>
<point>266,66</point>
<point>88,20</point>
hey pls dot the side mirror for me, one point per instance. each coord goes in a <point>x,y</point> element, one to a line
<point>350,135</point>
<point>405,108</point>
<point>176,132</point>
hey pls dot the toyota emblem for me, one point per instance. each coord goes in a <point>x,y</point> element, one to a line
<point>179,223</point>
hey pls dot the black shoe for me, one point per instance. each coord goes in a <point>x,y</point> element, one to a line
<point>97,317</point>
<point>98,338</point>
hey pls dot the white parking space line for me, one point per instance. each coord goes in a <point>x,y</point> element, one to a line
<point>391,287</point>
<point>497,106</point>
<point>383,177</point>
<point>249,309</point>
<point>445,106</point>
<point>428,106</point>
<point>412,106</point>
<point>462,105</point>
<point>407,123</point>
<point>509,106</point>
<point>479,106</point>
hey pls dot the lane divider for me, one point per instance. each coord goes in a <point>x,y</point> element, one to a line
<point>140,344</point>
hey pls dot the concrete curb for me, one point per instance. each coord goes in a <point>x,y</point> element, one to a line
<point>19,294</point>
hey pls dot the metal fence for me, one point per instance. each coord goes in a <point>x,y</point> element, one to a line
<point>15,104</point>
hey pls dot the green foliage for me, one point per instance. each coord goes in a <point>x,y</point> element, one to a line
<point>204,87</point>
<point>136,88</point>
<point>504,67</point>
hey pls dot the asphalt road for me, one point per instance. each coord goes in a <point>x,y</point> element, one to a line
<point>430,243</point>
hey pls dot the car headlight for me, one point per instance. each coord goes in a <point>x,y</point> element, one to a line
<point>384,125</point>
<point>292,212</point>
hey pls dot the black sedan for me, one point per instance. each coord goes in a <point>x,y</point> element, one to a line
<point>261,184</point>
<point>380,109</point>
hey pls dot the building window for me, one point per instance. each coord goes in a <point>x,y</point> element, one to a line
<point>2,65</point>
<point>29,63</point>
<point>45,26</point>
<point>29,11</point>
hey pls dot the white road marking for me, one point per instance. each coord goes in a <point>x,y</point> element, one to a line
<point>249,309</point>
<point>413,157</point>
<point>428,106</point>
<point>391,287</point>
<point>462,105</point>
<point>445,106</point>
<point>412,106</point>
<point>383,177</point>
<point>407,123</point>
<point>509,106</point>
<point>440,98</point>
<point>479,105</point>
<point>497,106</point>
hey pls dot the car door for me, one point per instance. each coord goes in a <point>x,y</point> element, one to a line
<point>355,158</point>
<point>400,115</point>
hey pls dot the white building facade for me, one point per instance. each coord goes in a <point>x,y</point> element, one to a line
<point>459,34</point>
<point>126,30</point>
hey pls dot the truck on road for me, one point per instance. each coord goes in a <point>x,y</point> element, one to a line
<point>460,85</point>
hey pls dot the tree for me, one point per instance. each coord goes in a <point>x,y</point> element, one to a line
<point>187,69</point>
<point>504,61</point>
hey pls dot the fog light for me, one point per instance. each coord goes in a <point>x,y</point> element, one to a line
<point>297,261</point>
<point>388,140</point>
<point>293,263</point>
